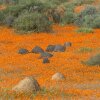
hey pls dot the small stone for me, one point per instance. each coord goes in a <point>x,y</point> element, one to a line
<point>23,51</point>
<point>37,50</point>
<point>29,84</point>
<point>45,55</point>
<point>46,60</point>
<point>67,44</point>
<point>58,76</point>
<point>59,48</point>
<point>50,48</point>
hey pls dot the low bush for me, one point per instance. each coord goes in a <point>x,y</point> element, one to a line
<point>58,2</point>
<point>89,10</point>
<point>88,21</point>
<point>1,17</point>
<point>85,30</point>
<point>36,22</point>
<point>93,61</point>
<point>9,20</point>
<point>13,10</point>
<point>31,6</point>
<point>80,2</point>
<point>68,18</point>
<point>96,22</point>
<point>26,1</point>
<point>56,17</point>
<point>69,6</point>
<point>86,17</point>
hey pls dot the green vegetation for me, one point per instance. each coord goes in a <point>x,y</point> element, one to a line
<point>93,61</point>
<point>84,50</point>
<point>54,11</point>
<point>89,17</point>
<point>36,22</point>
<point>85,30</point>
<point>80,2</point>
<point>51,93</point>
<point>68,18</point>
<point>1,17</point>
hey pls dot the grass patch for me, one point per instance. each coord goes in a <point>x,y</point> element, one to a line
<point>93,61</point>
<point>84,30</point>
<point>6,94</point>
<point>84,50</point>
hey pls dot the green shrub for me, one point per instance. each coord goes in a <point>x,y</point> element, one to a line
<point>68,18</point>
<point>1,17</point>
<point>85,30</point>
<point>36,22</point>
<point>89,10</point>
<point>93,61</point>
<point>89,1</point>
<point>8,1</point>
<point>96,22</point>
<point>31,6</point>
<point>38,13</point>
<point>9,20</point>
<point>80,2</point>
<point>85,18</point>
<point>56,17</point>
<point>69,6</point>
<point>1,2</point>
<point>88,21</point>
<point>26,1</point>
<point>13,10</point>
<point>58,2</point>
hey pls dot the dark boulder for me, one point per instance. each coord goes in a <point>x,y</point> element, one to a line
<point>58,76</point>
<point>59,48</point>
<point>46,60</point>
<point>50,48</point>
<point>23,51</point>
<point>37,50</point>
<point>45,55</point>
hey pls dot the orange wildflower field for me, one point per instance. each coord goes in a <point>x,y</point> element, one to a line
<point>82,82</point>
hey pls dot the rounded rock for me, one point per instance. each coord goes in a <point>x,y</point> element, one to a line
<point>59,48</point>
<point>37,50</point>
<point>46,55</point>
<point>23,51</point>
<point>58,76</point>
<point>50,48</point>
<point>29,84</point>
<point>46,60</point>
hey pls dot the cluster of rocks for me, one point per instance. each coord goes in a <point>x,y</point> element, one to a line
<point>45,54</point>
<point>31,85</point>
